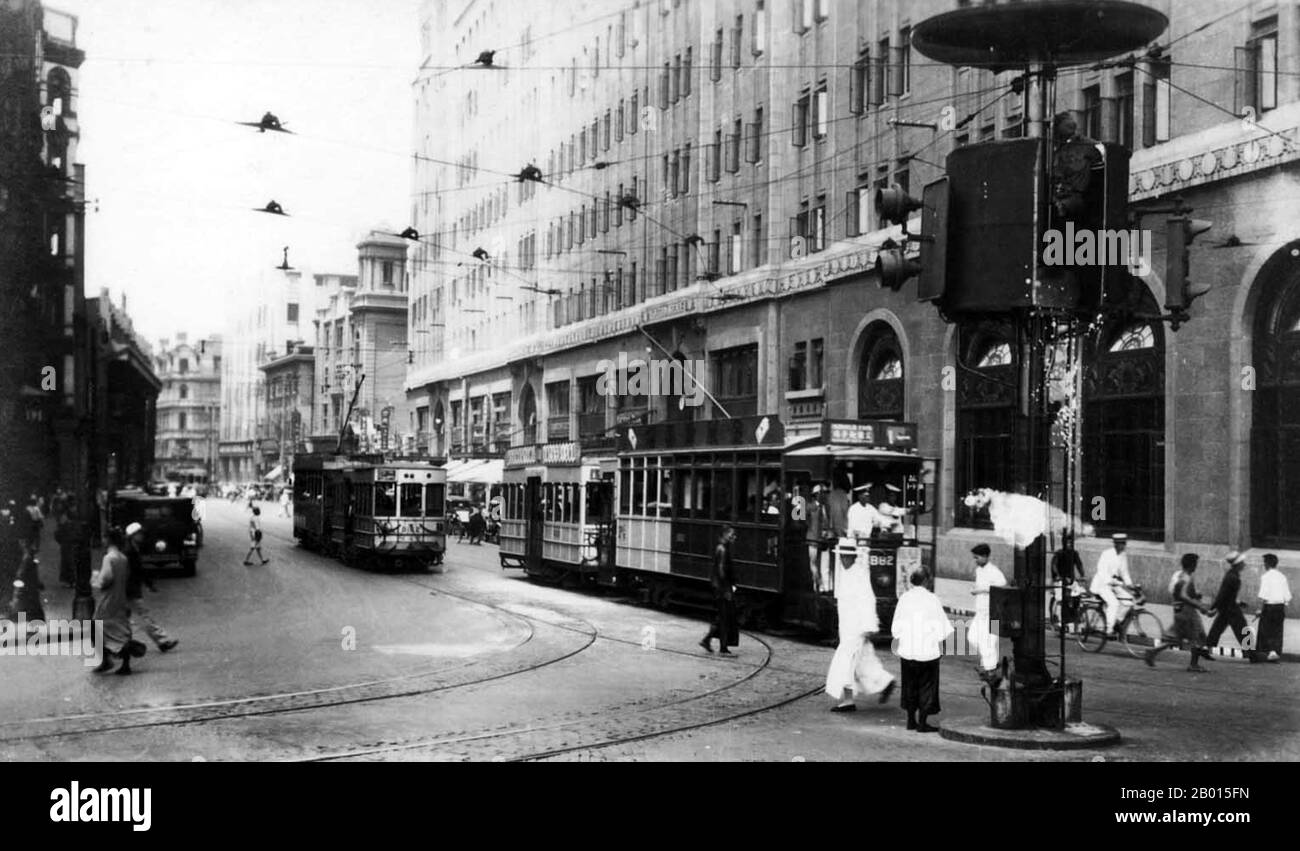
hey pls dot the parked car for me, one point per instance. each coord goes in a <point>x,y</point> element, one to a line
<point>170,533</point>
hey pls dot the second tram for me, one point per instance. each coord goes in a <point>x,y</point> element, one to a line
<point>370,511</point>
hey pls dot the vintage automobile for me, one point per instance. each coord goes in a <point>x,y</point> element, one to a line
<point>170,532</point>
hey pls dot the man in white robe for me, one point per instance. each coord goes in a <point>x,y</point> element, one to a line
<point>855,670</point>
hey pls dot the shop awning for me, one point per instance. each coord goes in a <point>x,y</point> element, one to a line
<point>275,474</point>
<point>835,451</point>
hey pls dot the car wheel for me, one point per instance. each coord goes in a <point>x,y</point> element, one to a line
<point>189,568</point>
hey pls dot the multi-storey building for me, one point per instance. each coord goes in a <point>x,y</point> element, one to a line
<point>189,408</point>
<point>707,170</point>
<point>288,380</point>
<point>265,321</point>
<point>124,394</point>
<point>45,413</point>
<point>361,332</point>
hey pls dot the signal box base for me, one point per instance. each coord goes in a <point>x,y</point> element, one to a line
<point>1076,736</point>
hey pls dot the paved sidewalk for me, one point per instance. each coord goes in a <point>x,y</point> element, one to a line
<point>957,599</point>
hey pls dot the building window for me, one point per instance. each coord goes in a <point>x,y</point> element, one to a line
<point>687,62</point>
<point>181,420</point>
<point>292,312</point>
<point>1157,96</point>
<point>754,152</point>
<point>1256,69</point>
<point>735,379</point>
<point>821,112</point>
<point>903,62</point>
<point>58,91</point>
<point>715,154</point>
<point>760,27</point>
<point>758,242</point>
<point>1124,428</point>
<point>1124,109</point>
<point>798,378</point>
<point>715,63</point>
<point>1275,426</point>
<point>1091,112</point>
<point>737,38</point>
<point>736,256</point>
<point>185,391</point>
<point>799,120</point>
<point>859,76</point>
<point>809,227</point>
<point>985,415</point>
<point>183,366</point>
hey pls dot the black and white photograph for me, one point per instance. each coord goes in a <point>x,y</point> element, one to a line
<point>672,381</point>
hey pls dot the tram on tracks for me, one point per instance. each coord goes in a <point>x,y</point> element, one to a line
<point>557,518</point>
<point>672,486</point>
<point>372,512</point>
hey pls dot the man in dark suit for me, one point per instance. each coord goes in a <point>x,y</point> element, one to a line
<point>723,580</point>
<point>1226,609</point>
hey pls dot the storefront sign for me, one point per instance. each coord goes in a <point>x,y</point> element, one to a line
<point>878,434</point>
<point>561,453</point>
<point>521,456</point>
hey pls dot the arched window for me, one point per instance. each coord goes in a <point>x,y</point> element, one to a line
<point>185,391</point>
<point>880,375</point>
<point>1124,427</point>
<point>1275,429</point>
<point>986,397</point>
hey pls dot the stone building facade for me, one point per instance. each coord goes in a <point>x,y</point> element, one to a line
<point>189,409</point>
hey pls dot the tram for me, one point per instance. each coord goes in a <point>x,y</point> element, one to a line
<point>681,482</point>
<point>557,518</point>
<point>372,512</point>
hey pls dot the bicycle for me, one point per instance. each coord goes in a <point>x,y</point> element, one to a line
<point>1139,630</point>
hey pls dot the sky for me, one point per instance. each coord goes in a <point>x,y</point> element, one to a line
<point>171,179</point>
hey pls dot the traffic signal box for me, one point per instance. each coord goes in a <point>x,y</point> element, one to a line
<point>995,213</point>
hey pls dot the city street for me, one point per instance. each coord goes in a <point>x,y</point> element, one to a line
<point>480,664</point>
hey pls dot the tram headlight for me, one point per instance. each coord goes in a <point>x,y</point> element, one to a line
<point>160,546</point>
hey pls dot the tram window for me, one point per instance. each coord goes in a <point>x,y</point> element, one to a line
<point>435,498</point>
<point>702,490</point>
<point>364,499</point>
<point>548,500</point>
<point>682,496</point>
<point>411,500</point>
<point>385,500</point>
<point>566,503</point>
<point>638,488</point>
<point>722,482</point>
<point>624,491</point>
<point>772,498</point>
<point>665,491</point>
<point>746,494</point>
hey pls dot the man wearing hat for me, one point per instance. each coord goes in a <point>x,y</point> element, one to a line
<point>863,516</point>
<point>1112,571</point>
<point>855,670</point>
<point>1227,611</point>
<point>979,633</point>
<point>135,582</point>
<point>889,509</point>
<point>819,538</point>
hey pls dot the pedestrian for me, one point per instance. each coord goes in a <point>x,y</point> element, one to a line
<point>34,523</point>
<point>1274,594</point>
<point>1187,629</point>
<point>198,514</point>
<point>837,506</point>
<point>1112,572</point>
<point>1067,576</point>
<point>255,535</point>
<point>980,633</point>
<point>1226,610</point>
<point>819,538</point>
<point>66,536</point>
<point>863,518</point>
<point>477,526</point>
<point>112,607</point>
<point>920,627</point>
<point>135,585</point>
<point>855,670</point>
<point>723,579</point>
<point>284,503</point>
<point>29,585</point>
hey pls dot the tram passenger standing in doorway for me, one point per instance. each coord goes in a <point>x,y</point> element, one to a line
<point>819,537</point>
<point>979,633</point>
<point>723,578</point>
<point>855,670</point>
<point>837,507</point>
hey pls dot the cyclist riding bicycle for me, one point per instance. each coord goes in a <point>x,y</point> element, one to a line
<point>1112,576</point>
<point>1067,569</point>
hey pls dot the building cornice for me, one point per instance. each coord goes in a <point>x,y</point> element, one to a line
<point>1231,149</point>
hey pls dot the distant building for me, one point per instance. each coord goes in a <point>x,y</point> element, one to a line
<point>361,331</point>
<point>124,394</point>
<point>265,321</point>
<point>189,408</point>
<point>45,414</point>
<point>287,410</point>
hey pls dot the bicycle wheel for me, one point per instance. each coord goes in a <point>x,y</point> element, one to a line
<point>1053,615</point>
<point>1090,630</point>
<point>1143,632</point>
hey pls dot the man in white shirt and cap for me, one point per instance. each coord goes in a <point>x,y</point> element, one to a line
<point>863,516</point>
<point>890,510</point>
<point>1112,572</point>
<point>980,633</point>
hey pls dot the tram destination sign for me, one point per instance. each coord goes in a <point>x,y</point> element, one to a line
<point>875,434</point>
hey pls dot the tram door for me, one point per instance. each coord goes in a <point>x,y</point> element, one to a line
<point>533,531</point>
<point>601,499</point>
